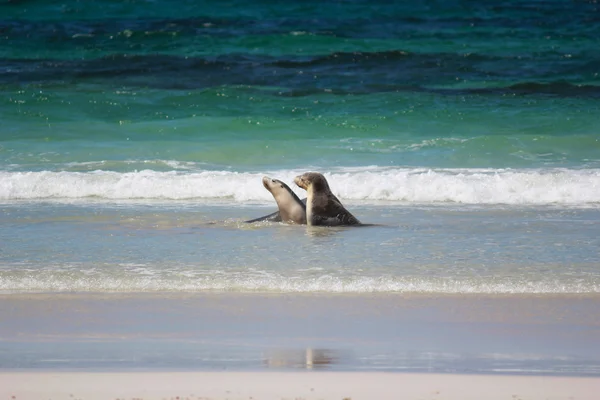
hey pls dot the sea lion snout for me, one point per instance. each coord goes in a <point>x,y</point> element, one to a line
<point>269,183</point>
<point>314,179</point>
<point>299,180</point>
<point>266,181</point>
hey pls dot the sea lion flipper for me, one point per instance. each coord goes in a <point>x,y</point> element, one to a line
<point>274,217</point>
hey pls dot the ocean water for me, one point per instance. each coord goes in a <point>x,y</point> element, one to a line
<point>134,136</point>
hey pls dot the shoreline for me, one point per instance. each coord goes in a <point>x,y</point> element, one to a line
<point>227,293</point>
<point>545,335</point>
<point>290,385</point>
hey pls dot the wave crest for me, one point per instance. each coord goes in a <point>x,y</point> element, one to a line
<point>131,281</point>
<point>466,186</point>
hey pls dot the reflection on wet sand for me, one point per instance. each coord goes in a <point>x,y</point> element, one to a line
<point>308,358</point>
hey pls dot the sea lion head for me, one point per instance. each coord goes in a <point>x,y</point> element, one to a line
<point>274,185</point>
<point>313,180</point>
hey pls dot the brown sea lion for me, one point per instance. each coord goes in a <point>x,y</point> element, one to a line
<point>322,207</point>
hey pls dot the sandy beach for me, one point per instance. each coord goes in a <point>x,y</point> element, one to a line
<point>309,347</point>
<point>290,385</point>
<point>468,334</point>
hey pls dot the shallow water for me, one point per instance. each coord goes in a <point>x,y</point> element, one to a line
<point>185,247</point>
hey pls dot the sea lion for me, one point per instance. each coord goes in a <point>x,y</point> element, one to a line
<point>322,207</point>
<point>291,208</point>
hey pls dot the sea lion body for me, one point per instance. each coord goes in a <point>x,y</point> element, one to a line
<point>292,210</point>
<point>322,207</point>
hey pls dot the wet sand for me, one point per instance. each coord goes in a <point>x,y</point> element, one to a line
<point>291,385</point>
<point>467,334</point>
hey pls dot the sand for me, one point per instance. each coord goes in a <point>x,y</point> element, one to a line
<point>261,347</point>
<point>290,385</point>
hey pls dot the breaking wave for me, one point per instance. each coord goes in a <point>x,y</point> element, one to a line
<point>412,185</point>
<point>53,281</point>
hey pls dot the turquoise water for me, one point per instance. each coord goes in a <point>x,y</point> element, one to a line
<point>134,136</point>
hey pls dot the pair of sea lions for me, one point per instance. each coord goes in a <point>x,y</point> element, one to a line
<point>320,208</point>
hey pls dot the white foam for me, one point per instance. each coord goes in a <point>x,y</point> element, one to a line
<point>140,281</point>
<point>472,186</point>
<point>368,184</point>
